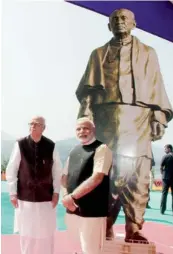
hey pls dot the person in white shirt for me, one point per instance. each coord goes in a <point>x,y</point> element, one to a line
<point>85,183</point>
<point>33,176</point>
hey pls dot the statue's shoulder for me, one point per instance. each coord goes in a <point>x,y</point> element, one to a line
<point>143,45</point>
<point>100,50</point>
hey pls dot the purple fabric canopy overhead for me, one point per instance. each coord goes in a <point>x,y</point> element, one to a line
<point>155,17</point>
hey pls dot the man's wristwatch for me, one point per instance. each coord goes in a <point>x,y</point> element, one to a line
<point>75,200</point>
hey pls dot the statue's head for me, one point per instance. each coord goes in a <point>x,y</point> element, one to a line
<point>121,21</point>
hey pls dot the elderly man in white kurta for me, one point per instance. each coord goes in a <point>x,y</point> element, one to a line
<point>86,188</point>
<point>33,176</point>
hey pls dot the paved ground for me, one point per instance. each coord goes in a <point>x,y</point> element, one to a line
<point>161,235</point>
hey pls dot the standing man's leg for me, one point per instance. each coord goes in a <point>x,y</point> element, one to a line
<point>27,245</point>
<point>92,232</point>
<point>171,186</point>
<point>22,223</point>
<point>165,188</point>
<point>45,245</point>
<point>37,225</point>
<point>35,246</point>
<point>72,222</point>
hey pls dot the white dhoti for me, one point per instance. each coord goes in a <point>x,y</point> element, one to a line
<point>89,232</point>
<point>36,224</point>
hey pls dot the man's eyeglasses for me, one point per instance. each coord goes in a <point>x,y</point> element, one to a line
<point>35,124</point>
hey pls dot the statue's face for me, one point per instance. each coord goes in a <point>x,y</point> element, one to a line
<point>122,21</point>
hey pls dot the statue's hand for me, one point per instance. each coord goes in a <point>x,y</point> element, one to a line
<point>88,113</point>
<point>158,131</point>
<point>86,109</point>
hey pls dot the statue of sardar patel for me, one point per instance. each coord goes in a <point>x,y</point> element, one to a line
<point>122,91</point>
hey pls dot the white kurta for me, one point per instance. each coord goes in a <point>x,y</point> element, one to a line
<point>91,232</point>
<point>35,221</point>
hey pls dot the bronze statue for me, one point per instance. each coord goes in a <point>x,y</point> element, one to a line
<point>123,92</point>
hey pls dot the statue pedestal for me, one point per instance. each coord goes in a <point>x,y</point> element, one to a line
<point>119,246</point>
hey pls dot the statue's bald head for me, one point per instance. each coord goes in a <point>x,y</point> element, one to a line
<point>121,21</point>
<point>118,12</point>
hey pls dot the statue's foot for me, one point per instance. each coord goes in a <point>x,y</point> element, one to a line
<point>110,234</point>
<point>137,237</point>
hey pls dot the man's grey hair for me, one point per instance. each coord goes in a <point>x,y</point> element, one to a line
<point>85,120</point>
<point>40,119</point>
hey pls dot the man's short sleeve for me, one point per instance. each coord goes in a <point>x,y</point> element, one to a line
<point>102,159</point>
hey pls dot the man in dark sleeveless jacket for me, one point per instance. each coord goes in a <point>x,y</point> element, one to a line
<point>33,175</point>
<point>86,188</point>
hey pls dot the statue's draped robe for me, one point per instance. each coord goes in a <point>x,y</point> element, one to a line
<point>148,82</point>
<point>127,93</point>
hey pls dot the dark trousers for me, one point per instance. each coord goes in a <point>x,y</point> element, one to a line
<point>166,185</point>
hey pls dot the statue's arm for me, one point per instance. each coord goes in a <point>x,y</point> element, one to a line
<point>84,92</point>
<point>165,114</point>
<point>160,117</point>
<point>86,107</point>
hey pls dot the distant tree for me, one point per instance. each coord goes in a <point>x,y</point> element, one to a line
<point>4,164</point>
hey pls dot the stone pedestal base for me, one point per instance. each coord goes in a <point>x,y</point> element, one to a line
<point>119,246</point>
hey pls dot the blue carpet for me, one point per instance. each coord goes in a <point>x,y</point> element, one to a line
<point>153,214</point>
